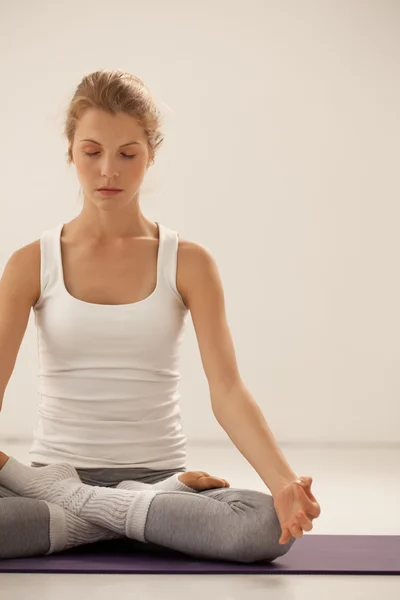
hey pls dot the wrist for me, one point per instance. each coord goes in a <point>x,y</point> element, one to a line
<point>280,484</point>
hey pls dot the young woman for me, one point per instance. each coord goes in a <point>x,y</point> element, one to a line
<point>111,291</point>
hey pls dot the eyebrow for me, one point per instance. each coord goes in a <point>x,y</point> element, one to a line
<point>122,146</point>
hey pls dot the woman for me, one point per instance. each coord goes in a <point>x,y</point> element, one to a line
<point>111,291</point>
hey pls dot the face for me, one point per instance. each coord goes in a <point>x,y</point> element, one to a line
<point>112,158</point>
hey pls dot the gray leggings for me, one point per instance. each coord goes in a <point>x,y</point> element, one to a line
<point>224,523</point>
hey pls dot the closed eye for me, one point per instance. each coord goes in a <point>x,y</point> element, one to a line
<point>123,154</point>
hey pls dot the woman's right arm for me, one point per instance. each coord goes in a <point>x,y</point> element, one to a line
<point>19,291</point>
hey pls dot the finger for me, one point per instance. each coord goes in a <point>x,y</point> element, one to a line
<point>310,494</point>
<point>309,507</point>
<point>304,522</point>
<point>316,510</point>
<point>306,480</point>
<point>296,531</point>
<point>305,483</point>
<point>219,481</point>
<point>293,531</point>
<point>211,482</point>
<point>285,537</point>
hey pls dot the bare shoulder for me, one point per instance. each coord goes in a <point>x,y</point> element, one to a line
<point>23,270</point>
<point>193,260</point>
<point>193,251</point>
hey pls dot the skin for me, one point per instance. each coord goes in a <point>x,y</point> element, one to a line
<point>108,219</point>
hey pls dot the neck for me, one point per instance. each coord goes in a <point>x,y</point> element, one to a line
<point>112,225</point>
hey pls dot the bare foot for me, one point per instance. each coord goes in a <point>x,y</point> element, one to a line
<point>199,480</point>
<point>3,459</point>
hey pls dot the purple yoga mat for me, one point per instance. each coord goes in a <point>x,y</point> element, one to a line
<point>311,554</point>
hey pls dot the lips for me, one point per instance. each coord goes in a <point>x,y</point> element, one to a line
<point>110,190</point>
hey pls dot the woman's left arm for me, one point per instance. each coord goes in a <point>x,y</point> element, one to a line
<point>233,406</point>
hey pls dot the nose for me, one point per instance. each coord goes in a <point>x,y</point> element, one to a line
<point>108,168</point>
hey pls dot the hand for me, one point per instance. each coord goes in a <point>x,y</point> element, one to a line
<point>199,480</point>
<point>296,507</point>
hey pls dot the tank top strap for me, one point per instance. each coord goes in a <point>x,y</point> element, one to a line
<point>168,258</point>
<point>50,257</point>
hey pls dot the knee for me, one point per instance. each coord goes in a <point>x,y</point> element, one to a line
<point>265,548</point>
<point>259,539</point>
<point>24,527</point>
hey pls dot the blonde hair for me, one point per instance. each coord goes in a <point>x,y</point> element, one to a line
<point>115,91</point>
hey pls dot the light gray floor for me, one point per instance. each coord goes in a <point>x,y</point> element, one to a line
<point>358,490</point>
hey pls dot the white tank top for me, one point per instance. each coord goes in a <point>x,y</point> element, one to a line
<point>108,374</point>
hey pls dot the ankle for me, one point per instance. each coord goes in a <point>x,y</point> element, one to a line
<point>3,459</point>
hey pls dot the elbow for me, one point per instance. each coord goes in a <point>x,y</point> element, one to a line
<point>223,394</point>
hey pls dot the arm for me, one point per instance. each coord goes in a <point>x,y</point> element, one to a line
<point>240,416</point>
<point>233,406</point>
<point>18,293</point>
